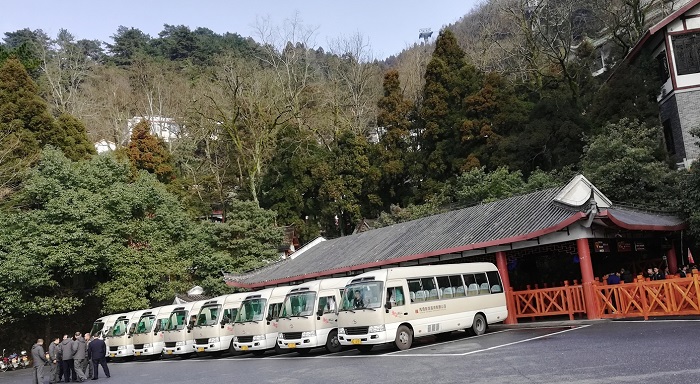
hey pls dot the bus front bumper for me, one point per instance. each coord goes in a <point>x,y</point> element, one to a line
<point>209,347</point>
<point>304,342</point>
<point>370,338</point>
<point>255,345</point>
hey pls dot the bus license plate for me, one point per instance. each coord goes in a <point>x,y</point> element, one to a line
<point>169,352</point>
<point>200,349</point>
<point>292,345</point>
<point>137,353</point>
<point>111,355</point>
<point>356,341</point>
<point>244,347</point>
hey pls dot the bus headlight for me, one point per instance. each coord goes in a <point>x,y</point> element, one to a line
<point>213,340</point>
<point>280,335</point>
<point>147,345</point>
<point>121,347</point>
<point>235,339</point>
<point>258,337</point>
<point>376,328</point>
<point>341,331</point>
<point>308,334</point>
<point>179,343</point>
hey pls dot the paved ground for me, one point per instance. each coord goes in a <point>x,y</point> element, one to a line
<point>664,351</point>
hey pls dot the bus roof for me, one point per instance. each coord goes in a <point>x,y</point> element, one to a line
<point>424,270</point>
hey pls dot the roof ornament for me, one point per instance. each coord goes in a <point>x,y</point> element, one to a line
<point>592,210</point>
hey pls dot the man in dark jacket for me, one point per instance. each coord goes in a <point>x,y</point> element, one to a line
<point>39,360</point>
<point>79,356</point>
<point>67,358</point>
<point>53,361</point>
<point>98,352</point>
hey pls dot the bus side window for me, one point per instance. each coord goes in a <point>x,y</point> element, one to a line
<point>483,284</point>
<point>413,288</point>
<point>395,296</point>
<point>457,285</point>
<point>326,304</point>
<point>495,282</point>
<point>472,286</point>
<point>430,289</point>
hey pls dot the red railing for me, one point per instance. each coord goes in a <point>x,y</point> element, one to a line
<point>671,297</point>
<point>566,300</point>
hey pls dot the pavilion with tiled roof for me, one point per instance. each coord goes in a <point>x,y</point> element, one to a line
<point>573,220</point>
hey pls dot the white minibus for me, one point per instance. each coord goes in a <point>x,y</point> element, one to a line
<point>103,325</point>
<point>309,316</point>
<point>119,339</point>
<point>257,321</point>
<point>397,304</point>
<point>178,336</point>
<point>148,336</point>
<point>213,330</point>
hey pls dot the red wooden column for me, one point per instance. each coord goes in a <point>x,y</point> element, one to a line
<point>672,260</point>
<point>502,264</point>
<point>584,256</point>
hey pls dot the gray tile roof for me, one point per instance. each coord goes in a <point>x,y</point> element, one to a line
<point>501,222</point>
<point>631,219</point>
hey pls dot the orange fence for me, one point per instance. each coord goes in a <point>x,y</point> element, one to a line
<point>673,296</point>
<point>566,300</point>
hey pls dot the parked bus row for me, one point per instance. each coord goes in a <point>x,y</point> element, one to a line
<point>392,305</point>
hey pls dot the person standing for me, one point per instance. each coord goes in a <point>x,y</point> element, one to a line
<point>67,358</point>
<point>98,352</point>
<point>53,361</point>
<point>79,355</point>
<point>39,360</point>
<point>87,367</point>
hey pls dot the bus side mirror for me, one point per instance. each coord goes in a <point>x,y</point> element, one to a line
<point>269,318</point>
<point>319,313</point>
<point>387,305</point>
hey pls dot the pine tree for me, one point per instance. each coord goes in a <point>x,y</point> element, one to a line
<point>71,138</point>
<point>24,122</point>
<point>147,152</point>
<point>449,79</point>
<point>394,117</point>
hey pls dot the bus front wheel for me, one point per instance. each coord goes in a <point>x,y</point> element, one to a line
<point>479,325</point>
<point>332,343</point>
<point>404,338</point>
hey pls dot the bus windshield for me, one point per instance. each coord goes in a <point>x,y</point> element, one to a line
<point>299,304</point>
<point>365,295</point>
<point>119,328</point>
<point>251,310</point>
<point>176,321</point>
<point>97,327</point>
<point>145,324</point>
<point>208,315</point>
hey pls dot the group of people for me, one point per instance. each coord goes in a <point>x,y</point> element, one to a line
<point>651,273</point>
<point>69,359</point>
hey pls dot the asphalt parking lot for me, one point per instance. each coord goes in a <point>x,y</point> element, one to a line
<point>664,351</point>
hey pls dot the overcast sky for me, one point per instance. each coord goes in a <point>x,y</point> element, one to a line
<point>390,26</point>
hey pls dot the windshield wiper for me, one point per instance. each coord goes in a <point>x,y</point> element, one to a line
<point>348,310</point>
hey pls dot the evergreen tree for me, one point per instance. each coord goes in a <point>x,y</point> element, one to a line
<point>149,153</point>
<point>628,161</point>
<point>71,138</point>
<point>25,122</point>
<point>449,79</point>
<point>394,118</point>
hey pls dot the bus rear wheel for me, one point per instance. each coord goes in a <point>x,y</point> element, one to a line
<point>332,344</point>
<point>404,338</point>
<point>479,325</point>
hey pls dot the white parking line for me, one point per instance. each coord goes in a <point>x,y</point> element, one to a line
<point>491,348</point>
<point>448,342</point>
